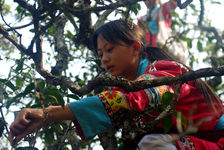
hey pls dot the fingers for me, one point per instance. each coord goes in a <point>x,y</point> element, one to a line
<point>30,129</point>
<point>19,125</point>
<point>17,128</point>
<point>25,123</point>
<point>20,131</point>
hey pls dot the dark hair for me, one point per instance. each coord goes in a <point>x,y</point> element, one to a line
<point>119,30</point>
<point>128,32</point>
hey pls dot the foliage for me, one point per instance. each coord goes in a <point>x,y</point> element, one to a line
<point>55,35</point>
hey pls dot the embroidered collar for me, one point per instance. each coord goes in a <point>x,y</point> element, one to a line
<point>152,66</point>
<point>142,66</point>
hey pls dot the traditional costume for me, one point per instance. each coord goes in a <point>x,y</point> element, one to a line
<point>96,114</point>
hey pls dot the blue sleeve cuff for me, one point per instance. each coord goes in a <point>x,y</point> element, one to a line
<point>91,116</point>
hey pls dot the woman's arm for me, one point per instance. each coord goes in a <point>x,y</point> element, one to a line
<point>29,119</point>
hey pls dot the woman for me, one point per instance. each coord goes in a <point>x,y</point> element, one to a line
<point>150,22</point>
<point>119,46</point>
<point>157,27</point>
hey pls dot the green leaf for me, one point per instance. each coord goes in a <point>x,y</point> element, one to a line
<point>54,95</point>
<point>40,83</point>
<point>31,30</point>
<point>193,7</point>
<point>188,40</point>
<point>49,136</point>
<point>69,34</point>
<point>183,119</point>
<point>19,82</point>
<point>73,96</point>
<point>19,65</point>
<point>167,123</point>
<point>8,83</point>
<point>135,8</point>
<point>199,46</point>
<point>81,83</point>
<point>32,65</point>
<point>167,98</point>
<point>216,2</point>
<point>29,88</point>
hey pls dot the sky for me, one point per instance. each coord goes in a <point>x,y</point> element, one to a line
<point>215,13</point>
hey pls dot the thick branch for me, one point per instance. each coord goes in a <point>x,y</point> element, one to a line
<point>130,85</point>
<point>216,80</point>
<point>38,55</point>
<point>102,18</point>
<point>60,47</point>
<point>139,85</point>
<point>85,28</point>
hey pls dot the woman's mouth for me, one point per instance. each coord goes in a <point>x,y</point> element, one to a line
<point>109,68</point>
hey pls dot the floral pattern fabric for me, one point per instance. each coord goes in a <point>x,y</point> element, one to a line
<point>114,100</point>
<point>185,143</point>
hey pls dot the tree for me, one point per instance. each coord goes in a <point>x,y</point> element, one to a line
<point>57,35</point>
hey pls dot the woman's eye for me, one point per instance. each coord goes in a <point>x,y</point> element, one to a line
<point>110,49</point>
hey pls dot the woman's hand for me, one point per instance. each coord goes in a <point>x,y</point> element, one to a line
<point>26,122</point>
<point>29,119</point>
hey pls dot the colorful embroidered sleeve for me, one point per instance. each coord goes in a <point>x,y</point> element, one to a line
<point>90,117</point>
<point>116,99</point>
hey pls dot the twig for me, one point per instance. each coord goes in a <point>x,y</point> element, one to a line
<point>120,3</point>
<point>20,35</point>
<point>4,120</point>
<point>20,27</point>
<point>184,4</point>
<point>209,29</point>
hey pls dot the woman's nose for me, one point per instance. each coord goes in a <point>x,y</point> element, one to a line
<point>105,58</point>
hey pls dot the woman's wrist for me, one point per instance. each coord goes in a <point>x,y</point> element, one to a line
<point>56,113</point>
<point>46,119</point>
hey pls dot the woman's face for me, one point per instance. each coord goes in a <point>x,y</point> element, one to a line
<point>119,60</point>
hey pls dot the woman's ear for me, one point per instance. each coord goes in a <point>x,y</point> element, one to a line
<point>137,47</point>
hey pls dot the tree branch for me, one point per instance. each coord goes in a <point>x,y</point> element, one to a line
<point>102,18</point>
<point>143,84</point>
<point>27,6</point>
<point>209,29</point>
<point>216,80</point>
<point>130,85</point>
<point>20,47</point>
<point>120,3</point>
<point>60,47</point>
<point>184,4</point>
<point>19,27</point>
